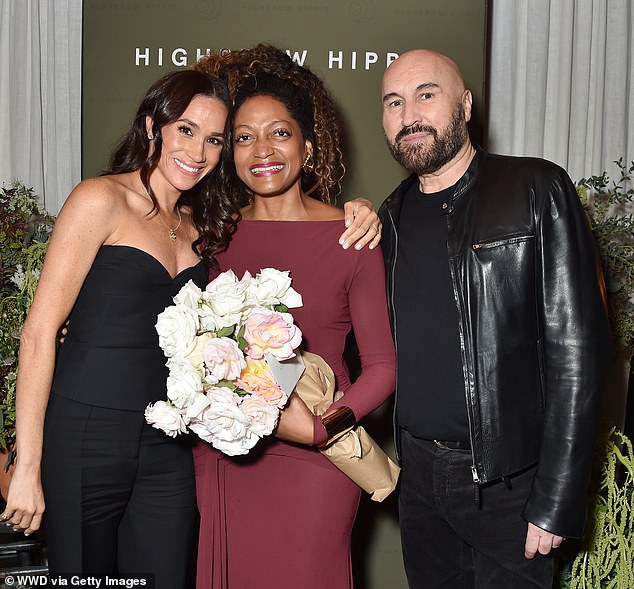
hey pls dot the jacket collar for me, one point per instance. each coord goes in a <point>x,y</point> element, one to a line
<point>394,201</point>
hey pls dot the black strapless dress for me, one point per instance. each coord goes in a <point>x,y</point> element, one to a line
<point>119,494</point>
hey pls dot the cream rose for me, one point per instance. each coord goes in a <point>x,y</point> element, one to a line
<point>188,296</point>
<point>183,382</point>
<point>223,424</point>
<point>226,296</point>
<point>223,359</point>
<point>272,287</point>
<point>165,417</point>
<point>176,328</point>
<point>261,415</point>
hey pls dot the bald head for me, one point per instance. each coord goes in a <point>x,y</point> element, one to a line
<point>425,114</point>
<point>425,66</point>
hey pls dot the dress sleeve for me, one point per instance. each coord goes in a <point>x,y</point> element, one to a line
<point>370,323</point>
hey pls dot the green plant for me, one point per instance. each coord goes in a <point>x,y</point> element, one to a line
<point>606,559</point>
<point>608,205</point>
<point>25,229</point>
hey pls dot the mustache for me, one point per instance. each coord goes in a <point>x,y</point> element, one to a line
<point>405,131</point>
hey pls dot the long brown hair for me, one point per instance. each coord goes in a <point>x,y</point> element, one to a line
<point>212,207</point>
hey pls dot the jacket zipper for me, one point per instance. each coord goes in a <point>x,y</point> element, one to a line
<point>509,241</point>
<point>474,470</point>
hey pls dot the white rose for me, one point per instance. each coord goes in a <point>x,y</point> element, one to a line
<point>223,424</point>
<point>262,415</point>
<point>210,320</point>
<point>176,328</point>
<point>183,383</point>
<point>195,357</point>
<point>165,417</point>
<point>199,403</point>
<point>188,296</point>
<point>271,287</point>
<point>226,295</point>
<point>223,359</point>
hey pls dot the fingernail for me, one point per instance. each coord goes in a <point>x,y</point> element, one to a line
<point>372,246</point>
<point>27,533</point>
<point>345,245</point>
<point>358,246</point>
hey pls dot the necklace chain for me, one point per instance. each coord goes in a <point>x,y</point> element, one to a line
<point>175,229</point>
<point>172,231</point>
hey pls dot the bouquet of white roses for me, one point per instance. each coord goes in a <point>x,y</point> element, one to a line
<point>220,385</point>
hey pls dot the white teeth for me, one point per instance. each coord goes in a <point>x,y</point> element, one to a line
<point>266,169</point>
<point>185,167</point>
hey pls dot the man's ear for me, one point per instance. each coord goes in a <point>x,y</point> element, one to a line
<point>467,103</point>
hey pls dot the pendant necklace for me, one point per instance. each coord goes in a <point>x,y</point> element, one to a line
<point>175,229</point>
<point>172,231</point>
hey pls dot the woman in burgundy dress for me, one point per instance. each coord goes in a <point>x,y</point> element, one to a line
<point>282,517</point>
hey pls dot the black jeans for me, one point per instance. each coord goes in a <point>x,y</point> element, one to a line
<point>452,540</point>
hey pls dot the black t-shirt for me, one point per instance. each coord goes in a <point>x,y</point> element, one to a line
<point>431,390</point>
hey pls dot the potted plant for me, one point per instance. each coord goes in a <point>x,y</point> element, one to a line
<point>25,228</point>
<point>609,207</point>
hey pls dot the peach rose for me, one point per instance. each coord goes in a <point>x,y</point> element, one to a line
<point>257,378</point>
<point>271,332</point>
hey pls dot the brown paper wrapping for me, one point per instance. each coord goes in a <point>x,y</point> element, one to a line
<point>356,454</point>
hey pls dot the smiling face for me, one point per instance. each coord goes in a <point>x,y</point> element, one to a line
<point>269,148</point>
<point>191,145</point>
<point>425,111</point>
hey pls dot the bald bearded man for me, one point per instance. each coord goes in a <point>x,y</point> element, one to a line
<point>502,342</point>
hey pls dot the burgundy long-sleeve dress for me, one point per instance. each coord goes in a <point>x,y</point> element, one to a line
<point>282,517</point>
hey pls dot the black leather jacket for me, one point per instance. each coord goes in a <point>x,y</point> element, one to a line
<point>534,335</point>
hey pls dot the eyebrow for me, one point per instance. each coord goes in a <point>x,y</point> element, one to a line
<point>423,86</point>
<point>188,122</point>
<point>276,122</point>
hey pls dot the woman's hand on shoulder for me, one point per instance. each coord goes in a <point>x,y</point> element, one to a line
<point>25,502</point>
<point>363,225</point>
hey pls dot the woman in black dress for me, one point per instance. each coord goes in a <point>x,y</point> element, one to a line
<point>119,494</point>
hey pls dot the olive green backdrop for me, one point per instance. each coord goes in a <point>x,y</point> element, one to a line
<point>129,44</point>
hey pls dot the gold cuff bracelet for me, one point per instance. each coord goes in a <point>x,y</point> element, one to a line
<point>337,423</point>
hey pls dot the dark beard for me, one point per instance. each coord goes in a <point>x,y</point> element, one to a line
<point>427,159</point>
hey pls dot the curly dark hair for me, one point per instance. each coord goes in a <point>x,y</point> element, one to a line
<point>267,70</point>
<point>213,207</point>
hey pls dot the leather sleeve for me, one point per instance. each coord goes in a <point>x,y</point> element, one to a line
<point>576,351</point>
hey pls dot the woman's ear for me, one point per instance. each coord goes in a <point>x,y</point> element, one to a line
<point>148,127</point>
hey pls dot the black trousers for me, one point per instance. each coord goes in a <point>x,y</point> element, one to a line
<point>449,539</point>
<point>120,495</point>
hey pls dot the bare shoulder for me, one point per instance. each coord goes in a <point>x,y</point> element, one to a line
<point>100,195</point>
<point>321,211</point>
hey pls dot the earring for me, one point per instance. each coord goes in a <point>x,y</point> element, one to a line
<point>150,137</point>
<point>309,164</point>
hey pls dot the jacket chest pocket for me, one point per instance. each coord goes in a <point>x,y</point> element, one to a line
<point>516,240</point>
<point>503,273</point>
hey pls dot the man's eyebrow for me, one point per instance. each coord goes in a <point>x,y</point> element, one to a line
<point>423,86</point>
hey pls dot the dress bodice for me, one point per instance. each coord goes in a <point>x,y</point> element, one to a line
<point>111,357</point>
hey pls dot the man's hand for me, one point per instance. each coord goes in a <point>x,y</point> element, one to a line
<point>538,540</point>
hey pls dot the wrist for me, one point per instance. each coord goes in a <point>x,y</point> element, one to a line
<point>337,424</point>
